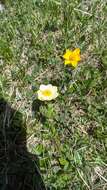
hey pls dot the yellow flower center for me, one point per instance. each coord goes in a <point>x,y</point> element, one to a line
<point>72,57</point>
<point>47,93</point>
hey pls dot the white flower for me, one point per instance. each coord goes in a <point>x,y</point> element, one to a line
<point>47,92</point>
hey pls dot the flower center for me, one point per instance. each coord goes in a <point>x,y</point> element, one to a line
<point>71,57</point>
<point>47,93</point>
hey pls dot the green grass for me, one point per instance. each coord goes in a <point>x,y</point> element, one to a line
<point>69,135</point>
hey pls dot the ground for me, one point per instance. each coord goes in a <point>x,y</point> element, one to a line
<point>69,134</point>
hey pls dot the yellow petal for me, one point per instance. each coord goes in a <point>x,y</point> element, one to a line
<point>67,54</point>
<point>67,62</point>
<point>74,63</point>
<point>77,58</point>
<point>76,51</point>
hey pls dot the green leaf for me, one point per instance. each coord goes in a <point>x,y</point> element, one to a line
<point>63,162</point>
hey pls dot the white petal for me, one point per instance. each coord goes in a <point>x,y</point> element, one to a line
<point>49,86</point>
<point>54,88</point>
<point>40,96</point>
<point>43,87</point>
<point>55,94</point>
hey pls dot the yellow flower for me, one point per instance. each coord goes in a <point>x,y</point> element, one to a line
<point>72,57</point>
<point>47,92</point>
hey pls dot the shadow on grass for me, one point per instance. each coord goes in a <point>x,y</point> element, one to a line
<point>19,170</point>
